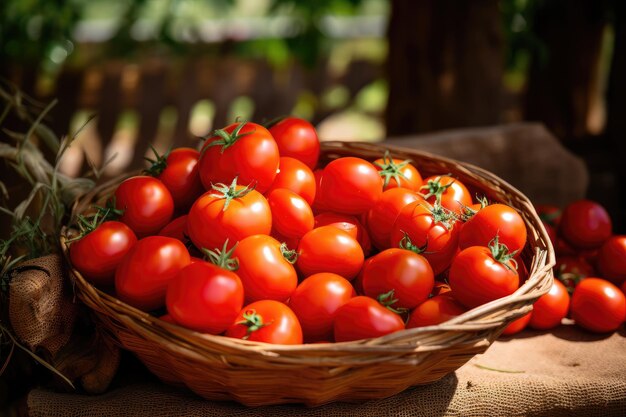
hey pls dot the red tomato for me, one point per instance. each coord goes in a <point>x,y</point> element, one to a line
<point>315,302</point>
<point>453,194</point>
<point>329,249</point>
<point>550,308</point>
<point>381,217</point>
<point>398,173</point>
<point>494,219</point>
<point>430,228</point>
<point>347,223</point>
<point>292,216</point>
<point>264,270</point>
<point>585,224</point>
<point>297,139</point>
<point>434,311</point>
<point>167,318</point>
<point>228,212</point>
<point>267,321</point>
<point>598,306</point>
<point>350,185</point>
<point>177,229</point>
<point>479,275</point>
<point>297,177</point>
<point>147,204</point>
<point>318,205</point>
<point>517,325</point>
<point>244,150</point>
<point>97,254</point>
<point>363,318</point>
<point>406,273</point>
<point>205,297</point>
<point>571,269</point>
<point>549,214</point>
<point>142,277</point>
<point>612,259</point>
<point>178,171</point>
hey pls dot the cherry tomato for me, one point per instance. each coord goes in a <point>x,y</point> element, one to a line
<point>347,223</point>
<point>297,139</point>
<point>329,249</point>
<point>244,150</point>
<point>479,275</point>
<point>494,219</point>
<point>205,297</point>
<point>143,275</point>
<point>177,229</point>
<point>147,204</point>
<point>292,216</point>
<point>381,217</point>
<point>315,302</point>
<point>350,185</point>
<point>404,272</point>
<point>363,317</point>
<point>267,321</point>
<point>228,212</point>
<point>550,308</point>
<point>517,325</point>
<point>398,173</point>
<point>453,194</point>
<point>585,224</point>
<point>97,254</point>
<point>179,173</point>
<point>429,228</point>
<point>297,177</point>
<point>612,259</point>
<point>598,306</point>
<point>264,269</point>
<point>434,311</point>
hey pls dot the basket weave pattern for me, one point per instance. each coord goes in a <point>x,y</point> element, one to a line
<point>221,368</point>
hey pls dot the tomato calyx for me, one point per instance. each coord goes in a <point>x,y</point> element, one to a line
<point>388,299</point>
<point>435,189</point>
<point>229,192</point>
<point>290,255</point>
<point>272,122</point>
<point>569,279</point>
<point>468,212</point>
<point>222,258</point>
<point>253,321</point>
<point>158,164</point>
<point>228,139</point>
<point>406,244</point>
<point>442,215</point>
<point>389,169</point>
<point>500,253</point>
<point>87,224</point>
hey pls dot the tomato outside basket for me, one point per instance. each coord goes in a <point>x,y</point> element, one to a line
<point>252,373</point>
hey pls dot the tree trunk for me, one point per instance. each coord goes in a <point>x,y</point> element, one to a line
<point>445,64</point>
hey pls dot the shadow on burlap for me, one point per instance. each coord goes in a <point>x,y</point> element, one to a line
<point>562,373</point>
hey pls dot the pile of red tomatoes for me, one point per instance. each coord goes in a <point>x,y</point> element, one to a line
<point>251,238</point>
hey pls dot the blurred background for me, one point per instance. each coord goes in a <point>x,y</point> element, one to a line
<point>168,71</point>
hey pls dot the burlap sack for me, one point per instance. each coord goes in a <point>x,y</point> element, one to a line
<point>43,315</point>
<point>561,373</point>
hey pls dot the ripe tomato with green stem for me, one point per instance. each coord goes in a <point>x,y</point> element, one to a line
<point>296,176</point>
<point>244,150</point>
<point>178,171</point>
<point>598,306</point>
<point>206,296</point>
<point>266,268</point>
<point>480,274</point>
<point>316,301</point>
<point>143,275</point>
<point>296,138</point>
<point>398,173</point>
<point>382,216</point>
<point>494,219</point>
<point>447,191</point>
<point>145,204</point>
<point>329,249</point>
<point>431,229</point>
<point>363,317</point>
<point>398,278</point>
<point>267,321</point>
<point>100,248</point>
<point>228,212</point>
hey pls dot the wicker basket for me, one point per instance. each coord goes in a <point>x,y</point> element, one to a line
<point>221,368</point>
